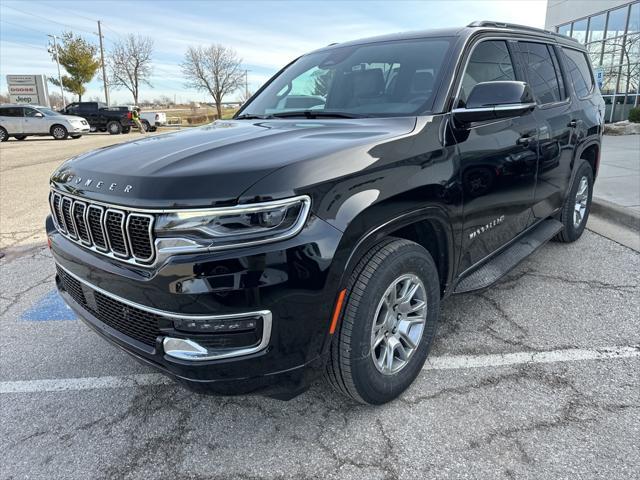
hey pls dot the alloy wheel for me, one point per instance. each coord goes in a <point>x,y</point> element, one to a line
<point>398,324</point>
<point>582,195</point>
<point>58,132</point>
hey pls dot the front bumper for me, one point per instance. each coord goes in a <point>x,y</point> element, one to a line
<point>80,129</point>
<point>292,280</point>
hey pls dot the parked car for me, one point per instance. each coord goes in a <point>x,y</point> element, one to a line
<point>22,121</point>
<point>254,254</point>
<point>100,117</point>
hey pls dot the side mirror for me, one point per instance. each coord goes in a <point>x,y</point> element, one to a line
<point>496,100</point>
<point>39,115</point>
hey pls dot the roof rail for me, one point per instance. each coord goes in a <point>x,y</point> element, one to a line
<point>515,26</point>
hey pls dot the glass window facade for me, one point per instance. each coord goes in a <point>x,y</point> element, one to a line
<point>612,39</point>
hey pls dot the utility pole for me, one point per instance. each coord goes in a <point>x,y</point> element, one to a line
<point>104,71</point>
<point>55,47</point>
<point>246,85</point>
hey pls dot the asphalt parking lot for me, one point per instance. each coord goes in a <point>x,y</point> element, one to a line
<point>537,377</point>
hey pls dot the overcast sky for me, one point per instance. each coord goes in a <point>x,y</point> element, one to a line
<point>266,34</point>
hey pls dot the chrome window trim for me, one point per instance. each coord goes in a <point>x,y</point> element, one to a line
<point>265,315</point>
<point>119,255</point>
<point>149,232</point>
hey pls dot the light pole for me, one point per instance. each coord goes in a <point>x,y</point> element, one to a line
<point>55,47</point>
<point>104,72</point>
<point>246,85</point>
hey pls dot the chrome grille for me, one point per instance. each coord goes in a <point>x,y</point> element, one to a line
<point>113,232</point>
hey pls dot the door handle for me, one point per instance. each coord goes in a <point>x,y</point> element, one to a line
<point>572,124</point>
<point>525,140</point>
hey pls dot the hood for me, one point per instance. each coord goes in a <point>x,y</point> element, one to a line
<point>213,165</point>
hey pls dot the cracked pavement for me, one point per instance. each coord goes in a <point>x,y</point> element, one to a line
<point>571,419</point>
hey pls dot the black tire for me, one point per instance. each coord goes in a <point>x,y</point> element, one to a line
<point>351,369</point>
<point>152,129</point>
<point>4,136</point>
<point>20,137</point>
<point>114,128</point>
<point>126,129</point>
<point>146,126</point>
<point>573,231</point>
<point>59,132</point>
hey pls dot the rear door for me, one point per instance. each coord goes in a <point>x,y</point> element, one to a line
<point>498,160</point>
<point>554,114</point>
<point>11,119</point>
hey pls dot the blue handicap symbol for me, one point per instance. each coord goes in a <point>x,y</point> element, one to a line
<point>48,308</point>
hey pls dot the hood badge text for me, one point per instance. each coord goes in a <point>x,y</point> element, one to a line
<point>87,182</point>
<point>487,227</point>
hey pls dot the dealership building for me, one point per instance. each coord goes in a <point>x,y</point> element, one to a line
<point>610,30</point>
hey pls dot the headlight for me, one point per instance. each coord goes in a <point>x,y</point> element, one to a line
<point>242,225</point>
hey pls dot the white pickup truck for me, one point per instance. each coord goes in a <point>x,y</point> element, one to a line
<point>153,120</point>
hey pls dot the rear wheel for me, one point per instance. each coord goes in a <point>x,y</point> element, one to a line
<point>126,129</point>
<point>20,137</point>
<point>575,212</point>
<point>114,128</point>
<point>59,132</point>
<point>388,323</point>
<point>146,126</point>
<point>4,136</point>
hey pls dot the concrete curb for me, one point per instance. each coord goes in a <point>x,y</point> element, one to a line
<point>615,213</point>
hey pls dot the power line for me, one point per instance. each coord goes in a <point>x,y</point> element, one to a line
<point>48,19</point>
<point>28,45</point>
<point>23,26</point>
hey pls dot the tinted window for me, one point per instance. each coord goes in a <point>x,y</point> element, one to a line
<point>11,112</point>
<point>489,61</point>
<point>579,71</point>
<point>73,108</point>
<point>30,112</point>
<point>377,79</point>
<point>544,77</point>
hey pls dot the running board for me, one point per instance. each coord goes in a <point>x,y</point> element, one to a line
<point>501,264</point>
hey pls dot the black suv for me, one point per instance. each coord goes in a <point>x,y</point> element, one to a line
<point>319,229</point>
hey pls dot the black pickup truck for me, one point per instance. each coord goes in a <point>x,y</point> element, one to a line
<point>101,117</point>
<point>253,254</point>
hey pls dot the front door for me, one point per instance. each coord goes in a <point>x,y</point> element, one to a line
<point>498,161</point>
<point>33,123</point>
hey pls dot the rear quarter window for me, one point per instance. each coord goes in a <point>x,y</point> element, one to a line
<point>579,71</point>
<point>10,112</point>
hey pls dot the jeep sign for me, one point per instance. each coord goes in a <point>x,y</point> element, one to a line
<point>28,89</point>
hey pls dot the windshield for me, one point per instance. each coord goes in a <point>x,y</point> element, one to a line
<point>48,112</point>
<point>379,79</point>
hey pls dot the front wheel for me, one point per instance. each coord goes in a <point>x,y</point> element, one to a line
<point>388,323</point>
<point>575,212</point>
<point>114,128</point>
<point>59,132</point>
<point>4,136</point>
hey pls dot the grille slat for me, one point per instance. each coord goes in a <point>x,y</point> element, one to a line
<point>68,220</point>
<point>78,210</point>
<point>110,231</point>
<point>114,223</point>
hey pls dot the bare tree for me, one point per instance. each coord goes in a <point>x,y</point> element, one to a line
<point>130,64</point>
<point>215,69</point>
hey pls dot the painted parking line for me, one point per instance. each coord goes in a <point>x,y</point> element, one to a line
<point>51,307</point>
<point>447,362</point>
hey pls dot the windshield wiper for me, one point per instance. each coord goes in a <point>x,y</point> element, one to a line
<point>251,116</point>
<point>316,114</point>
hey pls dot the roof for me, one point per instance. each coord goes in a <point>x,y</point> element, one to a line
<point>472,28</point>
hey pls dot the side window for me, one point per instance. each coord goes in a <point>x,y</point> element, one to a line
<point>579,71</point>
<point>72,109</point>
<point>10,112</point>
<point>30,112</point>
<point>489,61</point>
<point>543,72</point>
